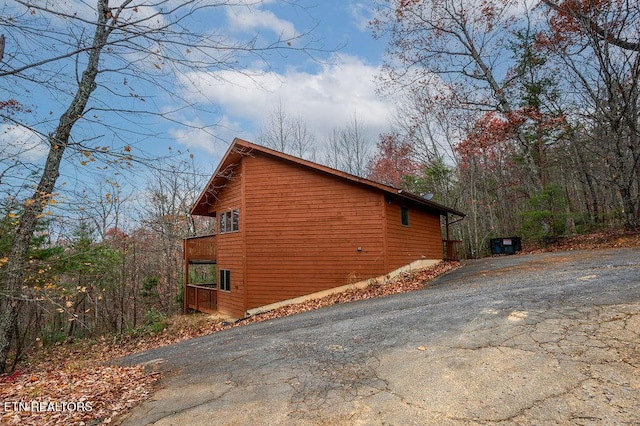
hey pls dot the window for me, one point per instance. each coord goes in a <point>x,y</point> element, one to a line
<point>222,228</point>
<point>229,221</point>
<point>235,220</point>
<point>225,280</point>
<point>404,216</point>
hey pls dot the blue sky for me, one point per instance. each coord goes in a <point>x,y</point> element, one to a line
<point>325,91</point>
<point>324,94</point>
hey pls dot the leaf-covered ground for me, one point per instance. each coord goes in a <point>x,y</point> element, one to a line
<point>77,383</point>
<point>612,238</point>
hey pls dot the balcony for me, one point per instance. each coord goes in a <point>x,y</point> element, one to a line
<point>199,296</point>
<point>200,249</point>
<point>202,298</point>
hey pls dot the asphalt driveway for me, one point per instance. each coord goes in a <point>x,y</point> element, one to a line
<point>537,339</point>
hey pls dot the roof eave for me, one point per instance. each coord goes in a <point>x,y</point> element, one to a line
<point>442,209</point>
<point>200,206</point>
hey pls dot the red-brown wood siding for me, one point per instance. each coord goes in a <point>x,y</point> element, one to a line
<point>422,238</point>
<point>200,248</point>
<point>230,250</point>
<point>303,231</point>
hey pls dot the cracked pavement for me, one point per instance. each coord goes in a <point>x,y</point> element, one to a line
<point>549,338</point>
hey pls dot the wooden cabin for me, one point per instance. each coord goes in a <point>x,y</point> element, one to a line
<point>287,227</point>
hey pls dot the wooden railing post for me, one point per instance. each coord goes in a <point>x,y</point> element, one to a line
<point>185,307</point>
<point>450,249</point>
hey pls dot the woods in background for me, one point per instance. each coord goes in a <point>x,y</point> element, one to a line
<point>525,115</point>
<point>86,87</point>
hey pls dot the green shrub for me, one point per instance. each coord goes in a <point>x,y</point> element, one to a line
<point>178,299</point>
<point>52,336</point>
<point>545,218</point>
<point>149,291</point>
<point>155,321</point>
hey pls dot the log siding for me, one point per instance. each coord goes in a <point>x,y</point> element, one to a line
<point>307,231</point>
<point>230,251</point>
<point>304,227</point>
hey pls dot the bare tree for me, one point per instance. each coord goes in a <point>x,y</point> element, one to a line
<point>333,152</point>
<point>107,71</point>
<point>461,48</point>
<point>598,43</point>
<point>429,118</point>
<point>288,134</point>
<point>104,205</point>
<point>165,212</point>
<point>349,148</point>
<point>304,145</point>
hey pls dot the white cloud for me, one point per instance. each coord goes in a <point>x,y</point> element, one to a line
<point>21,143</point>
<point>362,15</point>
<point>193,138</point>
<point>212,141</point>
<point>324,100</point>
<point>86,11</point>
<point>252,19</point>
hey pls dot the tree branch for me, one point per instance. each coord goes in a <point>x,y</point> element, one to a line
<point>590,24</point>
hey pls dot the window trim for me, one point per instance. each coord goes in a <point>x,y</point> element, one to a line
<point>235,220</point>
<point>225,280</point>
<point>222,224</point>
<point>229,221</point>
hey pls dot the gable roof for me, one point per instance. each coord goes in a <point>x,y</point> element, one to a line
<point>240,148</point>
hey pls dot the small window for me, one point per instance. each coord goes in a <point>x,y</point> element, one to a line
<point>229,221</point>
<point>235,220</point>
<point>222,229</point>
<point>404,216</point>
<point>225,280</point>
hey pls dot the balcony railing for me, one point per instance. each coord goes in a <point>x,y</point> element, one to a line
<point>452,249</point>
<point>202,298</point>
<point>200,249</point>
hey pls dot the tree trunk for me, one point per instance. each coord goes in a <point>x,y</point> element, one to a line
<point>589,181</point>
<point>628,206</point>
<point>12,298</point>
<point>542,169</point>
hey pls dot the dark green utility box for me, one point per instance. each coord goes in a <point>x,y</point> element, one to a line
<point>506,245</point>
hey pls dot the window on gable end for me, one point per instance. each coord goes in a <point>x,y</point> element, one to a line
<point>222,225</point>
<point>229,221</point>
<point>227,217</point>
<point>235,220</point>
